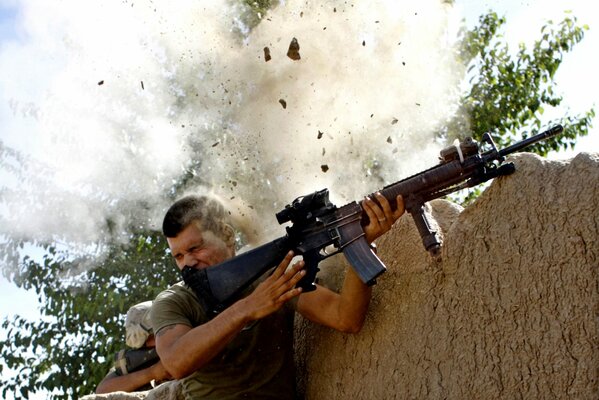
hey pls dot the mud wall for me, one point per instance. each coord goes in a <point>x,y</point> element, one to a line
<point>511,311</point>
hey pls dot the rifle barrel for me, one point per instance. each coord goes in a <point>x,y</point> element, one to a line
<point>556,130</point>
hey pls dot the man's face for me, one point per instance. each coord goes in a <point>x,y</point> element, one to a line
<point>198,249</point>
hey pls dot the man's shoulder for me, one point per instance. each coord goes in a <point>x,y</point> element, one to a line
<point>178,295</point>
<point>176,305</point>
<point>178,290</point>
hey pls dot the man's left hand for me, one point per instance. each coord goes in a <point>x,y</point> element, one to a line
<point>381,216</point>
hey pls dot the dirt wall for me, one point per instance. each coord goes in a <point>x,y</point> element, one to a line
<point>511,311</point>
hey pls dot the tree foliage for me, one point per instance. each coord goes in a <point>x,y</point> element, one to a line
<point>508,92</point>
<point>68,351</point>
<point>71,350</point>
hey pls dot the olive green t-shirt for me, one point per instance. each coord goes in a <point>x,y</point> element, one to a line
<point>257,364</point>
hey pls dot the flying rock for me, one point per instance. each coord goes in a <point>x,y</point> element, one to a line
<point>293,51</point>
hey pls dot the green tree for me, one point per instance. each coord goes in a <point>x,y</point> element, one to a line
<point>68,351</point>
<point>508,92</point>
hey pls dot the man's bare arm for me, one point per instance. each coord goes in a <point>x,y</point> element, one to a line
<point>346,311</point>
<point>133,381</point>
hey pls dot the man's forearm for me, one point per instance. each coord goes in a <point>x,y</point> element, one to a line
<point>184,350</point>
<point>125,383</point>
<point>344,311</point>
<point>354,300</point>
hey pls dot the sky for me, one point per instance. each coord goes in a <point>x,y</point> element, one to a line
<point>577,80</point>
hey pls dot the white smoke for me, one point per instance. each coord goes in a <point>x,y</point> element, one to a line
<point>110,102</point>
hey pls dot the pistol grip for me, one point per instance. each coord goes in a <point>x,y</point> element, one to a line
<point>307,283</point>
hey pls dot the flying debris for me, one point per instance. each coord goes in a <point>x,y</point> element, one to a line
<point>267,56</point>
<point>394,121</point>
<point>293,51</point>
<point>100,83</point>
<point>324,168</point>
<point>283,103</point>
<point>142,85</point>
<point>389,140</point>
<point>320,134</point>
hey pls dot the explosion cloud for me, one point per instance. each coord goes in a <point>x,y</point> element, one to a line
<point>109,103</point>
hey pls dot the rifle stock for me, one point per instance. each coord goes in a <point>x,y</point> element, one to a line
<point>318,224</point>
<point>226,281</point>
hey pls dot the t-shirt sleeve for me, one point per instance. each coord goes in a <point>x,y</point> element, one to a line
<point>168,309</point>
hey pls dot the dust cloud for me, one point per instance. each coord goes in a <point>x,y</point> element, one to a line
<point>105,105</point>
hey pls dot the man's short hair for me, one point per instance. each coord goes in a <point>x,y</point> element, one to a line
<point>207,210</point>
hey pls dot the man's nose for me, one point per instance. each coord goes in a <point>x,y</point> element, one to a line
<point>190,260</point>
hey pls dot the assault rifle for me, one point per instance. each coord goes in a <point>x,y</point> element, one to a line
<point>317,224</point>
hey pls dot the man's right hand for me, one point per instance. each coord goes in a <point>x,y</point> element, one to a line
<point>276,290</point>
<point>184,349</point>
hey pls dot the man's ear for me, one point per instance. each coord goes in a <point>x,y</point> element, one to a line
<point>245,219</point>
<point>229,236</point>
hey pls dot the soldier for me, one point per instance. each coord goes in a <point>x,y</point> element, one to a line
<point>140,369</point>
<point>246,350</point>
